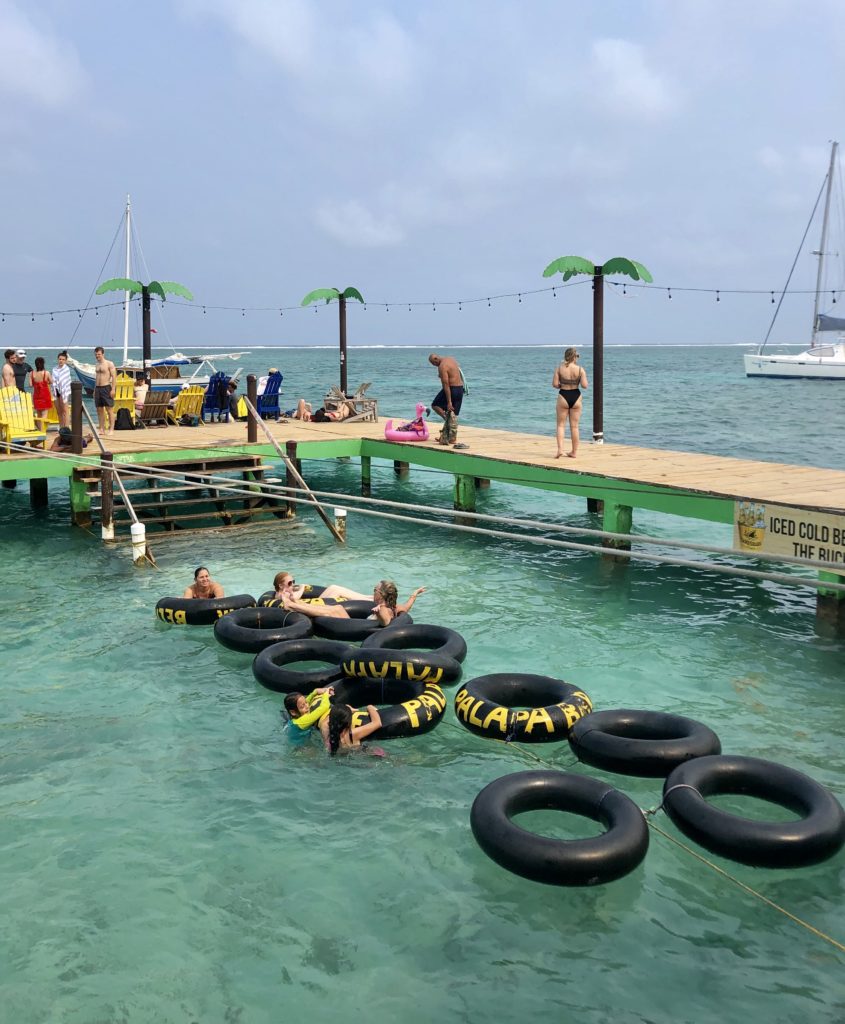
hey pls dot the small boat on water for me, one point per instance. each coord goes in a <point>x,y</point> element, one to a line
<point>164,373</point>
<point>822,360</point>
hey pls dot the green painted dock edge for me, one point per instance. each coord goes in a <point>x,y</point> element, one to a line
<point>619,496</point>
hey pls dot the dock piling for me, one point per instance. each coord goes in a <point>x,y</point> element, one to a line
<point>616,519</point>
<point>401,469</point>
<point>464,493</point>
<point>366,476</point>
<point>38,493</point>
<point>252,395</point>
<point>107,496</point>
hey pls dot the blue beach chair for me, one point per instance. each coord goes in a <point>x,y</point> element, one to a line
<point>216,401</point>
<point>268,403</point>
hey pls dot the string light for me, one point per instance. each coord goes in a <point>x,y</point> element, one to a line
<point>773,298</point>
<point>624,288</point>
<point>554,294</point>
<point>386,308</point>
<point>433,308</point>
<point>460,308</point>
<point>33,318</point>
<point>834,297</point>
<point>717,296</point>
<point>520,296</point>
<point>669,292</point>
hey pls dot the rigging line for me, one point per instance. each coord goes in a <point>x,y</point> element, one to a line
<point>747,888</point>
<point>271,490</point>
<point>96,286</point>
<point>792,268</point>
<point>535,525</point>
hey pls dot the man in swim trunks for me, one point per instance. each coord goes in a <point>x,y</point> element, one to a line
<point>447,402</point>
<point>105,379</point>
<point>9,370</point>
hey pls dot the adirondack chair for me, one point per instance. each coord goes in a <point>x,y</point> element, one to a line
<point>124,394</point>
<point>216,401</point>
<point>364,408</point>
<point>268,403</point>
<point>155,409</point>
<point>189,402</point>
<point>17,420</point>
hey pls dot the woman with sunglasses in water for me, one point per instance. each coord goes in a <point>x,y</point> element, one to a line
<point>385,597</point>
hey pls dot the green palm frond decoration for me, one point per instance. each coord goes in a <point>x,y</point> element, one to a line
<point>173,288</point>
<point>622,265</point>
<point>160,288</point>
<point>352,293</point>
<point>120,284</point>
<point>320,293</point>
<point>569,266</point>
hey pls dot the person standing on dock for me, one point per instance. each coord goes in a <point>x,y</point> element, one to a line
<point>21,368</point>
<point>105,379</point>
<point>569,378</point>
<point>9,369</point>
<point>448,400</point>
<point>61,389</point>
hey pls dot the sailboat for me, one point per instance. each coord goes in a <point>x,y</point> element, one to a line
<point>822,360</point>
<point>164,373</point>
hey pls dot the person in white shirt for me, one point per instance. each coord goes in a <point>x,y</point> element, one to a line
<point>61,389</point>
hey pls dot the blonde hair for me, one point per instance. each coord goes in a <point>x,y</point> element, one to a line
<point>389,593</point>
<point>569,355</point>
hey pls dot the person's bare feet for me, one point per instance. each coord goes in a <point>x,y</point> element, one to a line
<point>570,455</point>
<point>559,455</point>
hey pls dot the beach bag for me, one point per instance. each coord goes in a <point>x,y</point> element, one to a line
<point>189,420</point>
<point>123,420</point>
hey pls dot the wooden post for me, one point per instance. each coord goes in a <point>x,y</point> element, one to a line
<point>252,395</point>
<point>401,469</point>
<point>38,493</point>
<point>76,416</point>
<point>617,519</point>
<point>341,302</point>
<point>107,496</point>
<point>146,332</point>
<point>290,479</point>
<point>464,493</point>
<point>598,356</point>
<point>366,475</point>
<point>830,607</point>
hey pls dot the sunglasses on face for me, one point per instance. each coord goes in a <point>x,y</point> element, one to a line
<point>289,583</point>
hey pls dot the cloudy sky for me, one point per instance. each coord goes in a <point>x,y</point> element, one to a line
<point>424,152</point>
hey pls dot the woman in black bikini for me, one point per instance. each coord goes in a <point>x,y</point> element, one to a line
<point>569,378</point>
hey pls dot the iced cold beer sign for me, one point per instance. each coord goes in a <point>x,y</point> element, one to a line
<point>780,530</point>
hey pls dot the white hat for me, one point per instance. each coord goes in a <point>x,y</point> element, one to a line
<point>21,352</point>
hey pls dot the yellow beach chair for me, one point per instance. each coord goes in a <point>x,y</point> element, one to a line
<point>124,394</point>
<point>17,420</point>
<point>188,403</point>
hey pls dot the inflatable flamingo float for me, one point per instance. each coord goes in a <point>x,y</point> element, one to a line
<point>416,430</point>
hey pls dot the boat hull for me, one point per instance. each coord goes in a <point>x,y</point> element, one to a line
<point>803,366</point>
<point>172,384</point>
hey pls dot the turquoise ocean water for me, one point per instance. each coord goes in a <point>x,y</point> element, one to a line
<point>169,857</point>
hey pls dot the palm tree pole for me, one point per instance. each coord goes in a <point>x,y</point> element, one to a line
<point>160,288</point>
<point>569,266</point>
<point>329,294</point>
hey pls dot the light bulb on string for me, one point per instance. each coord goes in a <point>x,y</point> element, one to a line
<point>386,307</point>
<point>669,292</point>
<point>243,312</point>
<point>624,288</point>
<point>773,298</point>
<point>409,307</point>
<point>520,296</point>
<point>460,310</point>
<point>554,294</point>
<point>488,300</point>
<point>834,297</point>
<point>51,317</point>
<point>33,318</point>
<point>433,308</point>
<point>203,310</point>
<point>717,296</point>
<point>79,311</point>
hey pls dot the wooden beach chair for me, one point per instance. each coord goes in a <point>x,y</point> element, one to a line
<point>155,409</point>
<point>268,403</point>
<point>363,408</point>
<point>189,402</point>
<point>17,420</point>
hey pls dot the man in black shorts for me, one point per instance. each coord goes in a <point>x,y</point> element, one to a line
<point>447,402</point>
<point>105,379</point>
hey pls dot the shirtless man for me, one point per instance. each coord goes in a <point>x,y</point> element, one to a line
<point>105,378</point>
<point>447,401</point>
<point>9,370</point>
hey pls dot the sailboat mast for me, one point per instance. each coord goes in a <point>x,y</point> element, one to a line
<point>128,269</point>
<point>823,243</point>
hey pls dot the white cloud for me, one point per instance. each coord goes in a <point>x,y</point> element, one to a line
<point>352,223</point>
<point>771,159</point>
<point>34,62</point>
<point>624,83</point>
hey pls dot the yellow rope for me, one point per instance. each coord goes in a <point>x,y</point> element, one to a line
<point>726,874</point>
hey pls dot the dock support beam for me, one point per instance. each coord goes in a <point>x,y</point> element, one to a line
<point>290,479</point>
<point>464,493</point>
<point>366,475</point>
<point>617,519</point>
<point>481,483</point>
<point>38,493</point>
<point>830,606</point>
<point>252,395</point>
<point>107,497</point>
<point>595,506</point>
<point>10,484</point>
<point>401,469</point>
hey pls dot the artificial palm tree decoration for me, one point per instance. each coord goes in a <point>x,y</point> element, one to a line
<point>160,288</point>
<point>569,266</point>
<point>330,294</point>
